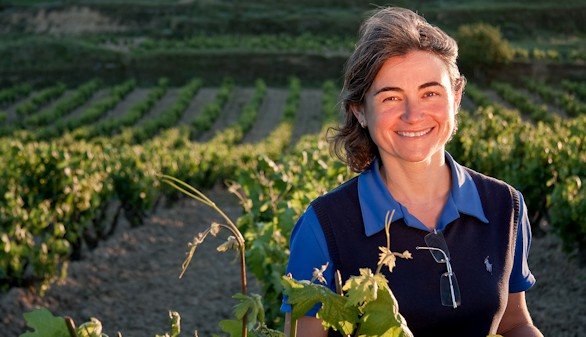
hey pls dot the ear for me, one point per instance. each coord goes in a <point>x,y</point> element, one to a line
<point>358,112</point>
<point>458,98</point>
<point>459,92</point>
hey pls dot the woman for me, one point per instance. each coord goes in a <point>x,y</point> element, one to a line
<point>402,93</point>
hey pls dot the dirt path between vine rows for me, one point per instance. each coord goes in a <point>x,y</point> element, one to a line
<point>204,97</point>
<point>77,112</point>
<point>12,117</point>
<point>230,112</point>
<point>269,115</point>
<point>123,107</point>
<point>309,118</point>
<point>166,102</point>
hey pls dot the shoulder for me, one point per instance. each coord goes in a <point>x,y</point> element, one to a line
<point>482,180</point>
<point>348,187</point>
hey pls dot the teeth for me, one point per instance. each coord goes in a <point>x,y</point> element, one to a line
<point>413,134</point>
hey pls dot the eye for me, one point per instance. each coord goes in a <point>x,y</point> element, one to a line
<point>390,98</point>
<point>430,94</point>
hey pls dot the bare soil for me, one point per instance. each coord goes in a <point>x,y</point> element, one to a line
<point>238,99</point>
<point>77,112</point>
<point>203,97</point>
<point>11,114</point>
<point>309,118</point>
<point>269,115</point>
<point>69,21</point>
<point>164,103</point>
<point>122,108</point>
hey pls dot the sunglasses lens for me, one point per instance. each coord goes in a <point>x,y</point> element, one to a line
<point>450,291</point>
<point>437,240</point>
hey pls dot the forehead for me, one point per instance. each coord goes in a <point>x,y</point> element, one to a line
<point>413,68</point>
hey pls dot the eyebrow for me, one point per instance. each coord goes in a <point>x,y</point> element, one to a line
<point>423,86</point>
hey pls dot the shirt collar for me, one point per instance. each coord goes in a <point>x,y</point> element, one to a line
<point>376,200</point>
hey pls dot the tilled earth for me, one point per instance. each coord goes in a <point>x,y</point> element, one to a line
<point>130,281</point>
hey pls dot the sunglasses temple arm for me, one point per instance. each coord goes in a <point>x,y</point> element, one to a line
<point>450,273</point>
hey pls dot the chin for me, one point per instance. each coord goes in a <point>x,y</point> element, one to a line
<point>419,157</point>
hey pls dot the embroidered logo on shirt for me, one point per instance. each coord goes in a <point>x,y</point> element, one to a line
<point>488,265</point>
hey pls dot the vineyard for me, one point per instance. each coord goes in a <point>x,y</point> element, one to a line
<point>99,99</point>
<point>79,161</point>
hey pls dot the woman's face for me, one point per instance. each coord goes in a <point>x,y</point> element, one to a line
<point>410,108</point>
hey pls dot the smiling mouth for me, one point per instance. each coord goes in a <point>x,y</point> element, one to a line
<point>414,134</point>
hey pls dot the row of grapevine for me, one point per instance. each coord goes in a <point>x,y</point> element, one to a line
<point>567,101</point>
<point>170,116</point>
<point>576,88</point>
<point>235,133</point>
<point>211,112</point>
<point>43,97</point>
<point>109,127</point>
<point>81,95</point>
<point>522,102</point>
<point>10,95</point>
<point>89,115</point>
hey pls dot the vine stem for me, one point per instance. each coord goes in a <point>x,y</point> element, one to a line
<point>199,196</point>
<point>388,220</point>
<point>70,326</point>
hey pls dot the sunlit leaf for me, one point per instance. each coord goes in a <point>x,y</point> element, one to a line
<point>337,314</point>
<point>360,289</point>
<point>231,243</point>
<point>93,328</point>
<point>381,316</point>
<point>303,295</point>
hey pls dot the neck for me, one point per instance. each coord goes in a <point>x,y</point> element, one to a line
<point>421,183</point>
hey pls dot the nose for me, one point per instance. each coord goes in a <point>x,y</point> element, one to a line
<point>412,112</point>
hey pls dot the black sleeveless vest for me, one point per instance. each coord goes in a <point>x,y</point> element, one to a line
<point>416,282</point>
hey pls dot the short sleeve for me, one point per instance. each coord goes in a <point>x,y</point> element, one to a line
<point>521,278</point>
<point>308,250</point>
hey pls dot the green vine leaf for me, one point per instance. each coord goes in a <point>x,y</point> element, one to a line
<point>251,305</point>
<point>45,324</point>
<point>232,326</point>
<point>301,295</point>
<point>362,289</point>
<point>381,317</point>
<point>335,313</point>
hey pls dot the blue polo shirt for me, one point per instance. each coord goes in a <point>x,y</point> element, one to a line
<point>308,243</point>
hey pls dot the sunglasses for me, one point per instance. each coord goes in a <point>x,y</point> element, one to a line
<point>449,290</point>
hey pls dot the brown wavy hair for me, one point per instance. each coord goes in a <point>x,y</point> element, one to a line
<point>389,32</point>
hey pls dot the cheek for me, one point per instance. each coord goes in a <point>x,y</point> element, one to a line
<point>385,113</point>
